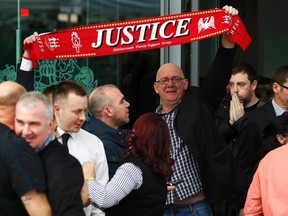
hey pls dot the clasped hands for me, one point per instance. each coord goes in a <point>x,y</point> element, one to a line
<point>236,109</point>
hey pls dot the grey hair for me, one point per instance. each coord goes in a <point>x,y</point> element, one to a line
<point>32,98</point>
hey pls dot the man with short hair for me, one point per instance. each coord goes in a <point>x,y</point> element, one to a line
<point>243,83</point>
<point>239,135</point>
<point>64,176</point>
<point>22,180</point>
<point>230,122</point>
<point>110,111</point>
<point>70,105</point>
<point>267,113</point>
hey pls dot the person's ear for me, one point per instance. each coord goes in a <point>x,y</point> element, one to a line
<point>254,85</point>
<point>186,83</point>
<point>56,109</point>
<point>275,87</point>
<point>281,139</point>
<point>156,88</point>
<point>106,110</point>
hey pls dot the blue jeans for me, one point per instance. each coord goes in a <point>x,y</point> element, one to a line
<point>200,208</point>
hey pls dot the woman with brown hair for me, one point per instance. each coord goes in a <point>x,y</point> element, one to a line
<point>139,184</point>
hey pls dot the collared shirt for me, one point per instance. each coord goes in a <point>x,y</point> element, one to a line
<point>186,167</point>
<point>87,147</point>
<point>26,65</point>
<point>113,140</point>
<point>278,110</point>
<point>46,143</point>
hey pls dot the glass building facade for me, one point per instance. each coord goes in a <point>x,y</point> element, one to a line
<point>133,73</point>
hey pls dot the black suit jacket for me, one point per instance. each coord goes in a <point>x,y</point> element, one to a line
<point>195,124</point>
<point>64,178</point>
<point>25,78</point>
<point>259,119</point>
<point>241,138</point>
<point>220,174</point>
<point>262,116</point>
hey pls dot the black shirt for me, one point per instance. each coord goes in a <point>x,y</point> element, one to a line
<point>64,178</point>
<point>20,171</point>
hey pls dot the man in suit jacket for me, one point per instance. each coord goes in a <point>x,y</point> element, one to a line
<point>267,113</point>
<point>34,122</point>
<point>261,117</point>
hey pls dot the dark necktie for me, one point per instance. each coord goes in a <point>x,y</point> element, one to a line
<point>65,138</point>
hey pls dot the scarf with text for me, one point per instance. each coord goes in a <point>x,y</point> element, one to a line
<point>136,35</point>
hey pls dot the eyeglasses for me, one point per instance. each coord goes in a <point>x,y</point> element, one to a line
<point>283,86</point>
<point>174,80</point>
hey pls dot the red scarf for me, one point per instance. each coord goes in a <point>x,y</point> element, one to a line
<point>136,35</point>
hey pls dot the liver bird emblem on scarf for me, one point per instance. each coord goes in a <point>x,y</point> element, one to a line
<point>209,22</point>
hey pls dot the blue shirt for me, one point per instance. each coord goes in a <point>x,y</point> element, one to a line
<point>46,143</point>
<point>278,110</point>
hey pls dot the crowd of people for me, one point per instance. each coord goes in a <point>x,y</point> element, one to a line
<point>217,149</point>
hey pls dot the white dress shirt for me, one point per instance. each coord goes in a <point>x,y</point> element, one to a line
<point>278,110</point>
<point>87,147</point>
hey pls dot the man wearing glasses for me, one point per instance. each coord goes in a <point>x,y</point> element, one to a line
<point>252,127</point>
<point>267,113</point>
<point>201,157</point>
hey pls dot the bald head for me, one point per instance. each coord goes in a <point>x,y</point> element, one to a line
<point>170,85</point>
<point>100,97</point>
<point>108,104</point>
<point>169,69</point>
<point>10,92</point>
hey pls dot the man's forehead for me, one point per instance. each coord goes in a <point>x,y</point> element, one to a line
<point>74,99</point>
<point>169,72</point>
<point>70,97</point>
<point>240,73</point>
<point>28,121</point>
<point>73,94</point>
<point>29,116</point>
<point>239,76</point>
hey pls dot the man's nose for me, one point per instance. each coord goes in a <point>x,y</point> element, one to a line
<point>83,116</point>
<point>235,88</point>
<point>26,130</point>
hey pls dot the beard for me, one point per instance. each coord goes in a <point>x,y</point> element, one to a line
<point>245,101</point>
